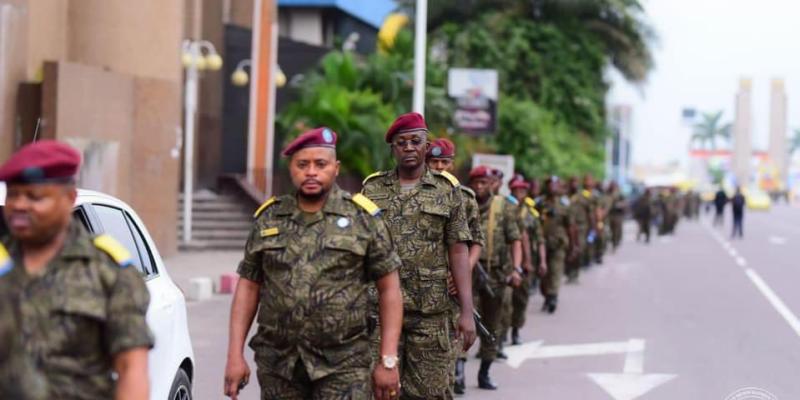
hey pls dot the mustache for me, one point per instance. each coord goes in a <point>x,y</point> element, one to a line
<point>311,181</point>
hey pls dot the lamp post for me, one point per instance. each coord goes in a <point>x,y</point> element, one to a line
<point>193,60</point>
<point>420,50</point>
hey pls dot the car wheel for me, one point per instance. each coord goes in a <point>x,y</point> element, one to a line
<point>181,387</point>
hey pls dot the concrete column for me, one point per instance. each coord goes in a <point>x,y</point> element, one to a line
<point>742,134</point>
<point>777,127</point>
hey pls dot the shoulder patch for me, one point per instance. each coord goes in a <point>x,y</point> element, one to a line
<point>513,200</point>
<point>264,206</point>
<point>367,204</point>
<point>535,212</point>
<point>373,175</point>
<point>451,178</point>
<point>587,194</point>
<point>6,265</point>
<point>114,249</point>
<point>530,202</point>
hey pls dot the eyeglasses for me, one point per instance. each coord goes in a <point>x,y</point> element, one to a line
<point>416,143</point>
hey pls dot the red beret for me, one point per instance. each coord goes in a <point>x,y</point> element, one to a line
<point>410,122</point>
<point>481,171</point>
<point>319,137</point>
<point>442,148</point>
<point>518,182</point>
<point>496,173</point>
<point>41,162</point>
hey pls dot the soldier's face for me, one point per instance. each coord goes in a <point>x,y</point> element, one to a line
<point>495,184</point>
<point>519,193</point>
<point>441,164</point>
<point>482,187</point>
<point>314,171</point>
<point>536,188</point>
<point>409,149</point>
<point>36,213</point>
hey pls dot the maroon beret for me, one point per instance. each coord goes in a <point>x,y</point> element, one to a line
<point>319,137</point>
<point>41,162</point>
<point>518,182</point>
<point>442,148</point>
<point>410,122</point>
<point>496,173</point>
<point>481,171</point>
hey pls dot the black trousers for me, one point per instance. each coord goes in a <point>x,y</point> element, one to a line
<point>737,225</point>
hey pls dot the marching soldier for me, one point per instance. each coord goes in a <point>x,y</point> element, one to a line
<point>82,304</point>
<point>644,211</point>
<point>533,252</point>
<point>308,263</point>
<point>582,211</point>
<point>502,260</point>
<point>602,213</point>
<point>561,241</point>
<point>616,214</point>
<point>424,211</point>
<point>440,158</point>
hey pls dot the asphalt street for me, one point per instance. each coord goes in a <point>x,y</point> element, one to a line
<point>690,316</point>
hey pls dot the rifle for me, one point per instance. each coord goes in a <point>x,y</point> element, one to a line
<point>483,280</point>
<point>482,330</point>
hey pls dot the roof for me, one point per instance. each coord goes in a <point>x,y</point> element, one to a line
<point>371,12</point>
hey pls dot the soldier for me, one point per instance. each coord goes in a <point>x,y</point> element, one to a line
<point>424,211</point>
<point>643,212</point>
<point>602,203</point>
<point>82,304</point>
<point>617,214</point>
<point>502,260</point>
<point>308,263</point>
<point>533,253</point>
<point>561,240</point>
<point>440,158</point>
<point>582,210</point>
<point>508,293</point>
<point>18,378</point>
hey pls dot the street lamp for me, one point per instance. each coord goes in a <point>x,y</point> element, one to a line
<point>240,77</point>
<point>420,50</point>
<point>194,60</point>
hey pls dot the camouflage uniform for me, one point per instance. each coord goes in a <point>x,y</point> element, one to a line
<point>85,308</point>
<point>581,208</point>
<point>424,220</point>
<point>602,201</point>
<point>533,227</point>
<point>508,292</point>
<point>556,220</point>
<point>474,223</point>
<point>616,218</point>
<point>18,378</point>
<point>496,258</point>
<point>315,269</point>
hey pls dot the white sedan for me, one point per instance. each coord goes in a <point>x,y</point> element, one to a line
<point>171,361</point>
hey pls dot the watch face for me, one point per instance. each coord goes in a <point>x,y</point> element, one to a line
<point>390,362</point>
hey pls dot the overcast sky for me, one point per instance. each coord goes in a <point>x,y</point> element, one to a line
<point>704,48</point>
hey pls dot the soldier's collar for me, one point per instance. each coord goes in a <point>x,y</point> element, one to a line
<point>78,242</point>
<point>335,202</point>
<point>427,177</point>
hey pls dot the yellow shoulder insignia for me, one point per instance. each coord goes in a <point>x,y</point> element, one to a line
<point>269,232</point>
<point>264,207</point>
<point>530,202</point>
<point>367,204</point>
<point>114,249</point>
<point>5,261</point>
<point>587,194</point>
<point>535,212</point>
<point>453,180</point>
<point>373,175</point>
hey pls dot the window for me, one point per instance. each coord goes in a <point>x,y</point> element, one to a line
<point>115,224</point>
<point>148,262</point>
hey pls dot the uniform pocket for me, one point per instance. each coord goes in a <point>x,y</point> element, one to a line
<point>344,257</point>
<point>435,218</point>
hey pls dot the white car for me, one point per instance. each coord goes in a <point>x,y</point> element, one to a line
<point>171,361</point>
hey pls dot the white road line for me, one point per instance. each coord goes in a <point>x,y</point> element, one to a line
<point>776,302</point>
<point>777,240</point>
<point>741,261</point>
<point>634,360</point>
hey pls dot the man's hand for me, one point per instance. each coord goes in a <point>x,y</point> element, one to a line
<point>528,267</point>
<point>542,270</point>
<point>237,374</point>
<point>466,330</point>
<point>515,279</point>
<point>386,383</point>
<point>451,285</point>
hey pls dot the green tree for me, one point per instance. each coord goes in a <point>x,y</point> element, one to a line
<point>709,129</point>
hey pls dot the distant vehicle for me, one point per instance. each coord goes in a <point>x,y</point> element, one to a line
<point>171,361</point>
<point>757,199</point>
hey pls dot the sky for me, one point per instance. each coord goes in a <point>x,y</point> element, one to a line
<point>704,48</point>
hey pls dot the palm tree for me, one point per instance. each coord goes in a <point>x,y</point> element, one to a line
<point>794,142</point>
<point>708,129</point>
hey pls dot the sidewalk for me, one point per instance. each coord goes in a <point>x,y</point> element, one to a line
<point>186,265</point>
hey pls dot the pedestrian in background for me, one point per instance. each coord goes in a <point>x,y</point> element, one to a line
<point>737,204</point>
<point>720,199</point>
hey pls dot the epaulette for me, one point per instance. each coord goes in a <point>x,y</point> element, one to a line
<point>587,194</point>
<point>264,206</point>
<point>367,204</point>
<point>530,202</point>
<point>534,211</point>
<point>513,200</point>
<point>468,191</point>
<point>451,178</point>
<point>373,175</point>
<point>6,264</point>
<point>114,249</point>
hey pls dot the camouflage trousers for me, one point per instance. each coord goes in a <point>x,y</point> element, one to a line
<point>551,282</point>
<point>519,301</point>
<point>616,230</point>
<point>508,311</point>
<point>348,384</point>
<point>600,244</point>
<point>573,266</point>
<point>492,312</point>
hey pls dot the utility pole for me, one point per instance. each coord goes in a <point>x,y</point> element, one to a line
<point>420,52</point>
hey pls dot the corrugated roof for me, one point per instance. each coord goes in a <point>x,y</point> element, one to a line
<point>371,12</point>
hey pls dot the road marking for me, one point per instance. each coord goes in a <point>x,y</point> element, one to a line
<point>773,299</point>
<point>634,359</point>
<point>632,382</point>
<point>777,240</point>
<point>741,261</point>
<point>534,350</point>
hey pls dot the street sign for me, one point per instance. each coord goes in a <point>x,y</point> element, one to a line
<point>475,93</point>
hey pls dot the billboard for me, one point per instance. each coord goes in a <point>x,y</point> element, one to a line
<point>475,94</point>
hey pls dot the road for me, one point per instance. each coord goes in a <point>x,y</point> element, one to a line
<point>692,316</point>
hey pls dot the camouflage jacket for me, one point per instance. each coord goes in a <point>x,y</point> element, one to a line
<point>424,222</point>
<point>556,220</point>
<point>582,206</point>
<point>315,269</point>
<point>496,258</point>
<point>617,204</point>
<point>473,216</point>
<point>532,223</point>
<point>85,308</point>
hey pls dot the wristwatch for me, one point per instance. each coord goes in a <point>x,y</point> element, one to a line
<point>389,362</point>
<point>519,270</point>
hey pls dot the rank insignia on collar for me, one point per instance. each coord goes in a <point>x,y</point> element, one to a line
<point>269,232</point>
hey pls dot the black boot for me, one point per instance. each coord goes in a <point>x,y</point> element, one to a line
<point>550,304</point>
<point>500,353</point>
<point>515,339</point>
<point>484,381</point>
<point>460,385</point>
